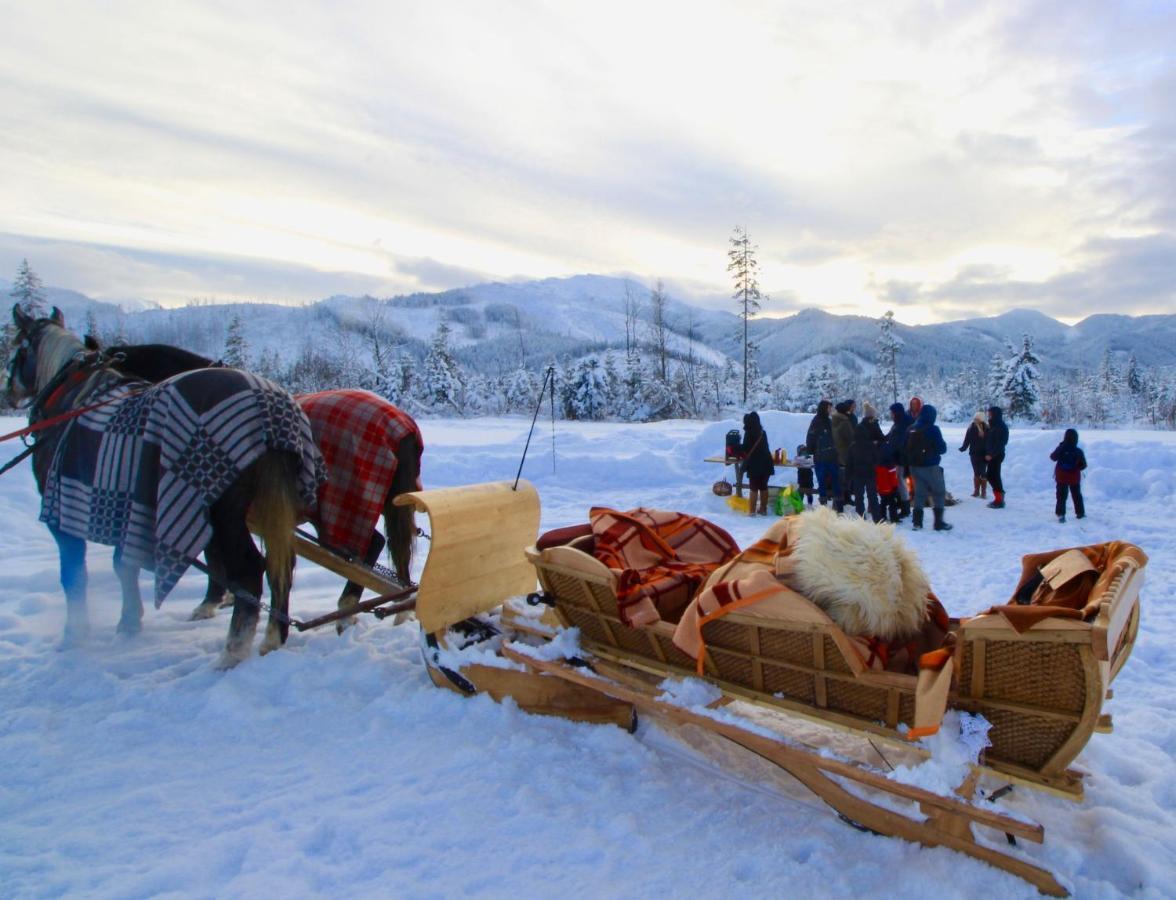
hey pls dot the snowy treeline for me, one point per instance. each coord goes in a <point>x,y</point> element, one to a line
<point>643,384</point>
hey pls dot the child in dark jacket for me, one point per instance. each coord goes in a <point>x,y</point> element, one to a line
<point>804,472</point>
<point>1070,461</point>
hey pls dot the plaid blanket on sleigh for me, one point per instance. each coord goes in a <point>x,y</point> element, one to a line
<point>141,473</point>
<point>660,558</point>
<point>359,434</point>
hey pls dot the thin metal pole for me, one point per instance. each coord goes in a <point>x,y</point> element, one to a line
<point>549,375</point>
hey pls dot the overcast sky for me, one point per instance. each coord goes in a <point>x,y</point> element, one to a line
<point>941,159</point>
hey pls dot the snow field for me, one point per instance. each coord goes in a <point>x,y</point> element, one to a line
<point>334,767</point>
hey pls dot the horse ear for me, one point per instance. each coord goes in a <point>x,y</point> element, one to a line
<point>57,317</point>
<point>91,342</point>
<point>22,319</point>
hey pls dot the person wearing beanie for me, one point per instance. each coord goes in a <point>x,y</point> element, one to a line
<point>995,441</point>
<point>844,422</point>
<point>757,464</point>
<point>864,455</point>
<point>895,451</point>
<point>1069,461</point>
<point>974,445</point>
<point>925,449</point>
<point>819,441</point>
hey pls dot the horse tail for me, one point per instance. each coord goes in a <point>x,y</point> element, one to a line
<point>274,515</point>
<point>400,521</point>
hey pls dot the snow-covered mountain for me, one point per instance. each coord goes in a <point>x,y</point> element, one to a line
<point>496,325</point>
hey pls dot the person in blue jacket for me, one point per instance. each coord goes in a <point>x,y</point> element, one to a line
<point>925,448</point>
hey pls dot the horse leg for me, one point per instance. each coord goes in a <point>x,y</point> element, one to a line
<point>215,595</point>
<point>71,552</point>
<point>349,599</point>
<point>243,567</point>
<point>131,620</point>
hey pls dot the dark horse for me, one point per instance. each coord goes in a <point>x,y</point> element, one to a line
<point>163,473</point>
<point>372,451</point>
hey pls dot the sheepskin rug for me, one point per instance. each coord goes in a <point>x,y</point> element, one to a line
<point>863,575</point>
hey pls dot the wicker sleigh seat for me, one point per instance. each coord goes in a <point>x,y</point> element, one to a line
<point>1041,688</point>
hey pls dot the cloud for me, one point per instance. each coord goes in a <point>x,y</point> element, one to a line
<point>874,153</point>
<point>1119,274</point>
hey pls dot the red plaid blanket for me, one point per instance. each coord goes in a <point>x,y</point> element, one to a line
<point>359,434</point>
<point>660,558</point>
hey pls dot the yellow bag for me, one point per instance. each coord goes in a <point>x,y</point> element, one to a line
<point>739,504</point>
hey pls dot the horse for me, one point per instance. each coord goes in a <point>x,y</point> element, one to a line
<point>372,451</point>
<point>163,473</point>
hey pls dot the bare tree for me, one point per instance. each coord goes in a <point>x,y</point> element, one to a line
<point>632,315</point>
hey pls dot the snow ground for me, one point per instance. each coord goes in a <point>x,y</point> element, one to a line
<point>334,767</point>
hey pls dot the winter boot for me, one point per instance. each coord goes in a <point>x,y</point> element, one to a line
<point>940,525</point>
<point>917,519</point>
<point>997,500</point>
<point>1062,518</point>
<point>904,508</point>
<point>983,488</point>
<point>975,486</point>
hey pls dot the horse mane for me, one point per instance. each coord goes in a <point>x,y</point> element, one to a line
<point>55,350</point>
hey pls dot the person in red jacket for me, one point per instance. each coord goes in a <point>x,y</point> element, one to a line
<point>1069,462</point>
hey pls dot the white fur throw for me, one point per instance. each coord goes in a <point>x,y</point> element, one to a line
<point>863,575</point>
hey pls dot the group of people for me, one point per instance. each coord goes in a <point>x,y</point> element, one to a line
<point>890,475</point>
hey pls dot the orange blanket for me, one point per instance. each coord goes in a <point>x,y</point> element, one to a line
<point>660,558</point>
<point>1078,598</point>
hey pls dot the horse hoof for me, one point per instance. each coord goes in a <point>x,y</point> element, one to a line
<point>273,640</point>
<point>203,611</point>
<point>230,659</point>
<point>343,624</point>
<point>129,628</point>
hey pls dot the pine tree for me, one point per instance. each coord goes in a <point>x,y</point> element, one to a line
<point>28,291</point>
<point>1134,379</point>
<point>744,268</point>
<point>889,345</point>
<point>998,374</point>
<point>236,354</point>
<point>590,391</point>
<point>521,391</point>
<point>441,385</point>
<point>92,327</point>
<point>1020,387</point>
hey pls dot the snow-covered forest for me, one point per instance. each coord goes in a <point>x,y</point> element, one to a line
<point>617,350</point>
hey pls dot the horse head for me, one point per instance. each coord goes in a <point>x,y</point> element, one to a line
<point>43,348</point>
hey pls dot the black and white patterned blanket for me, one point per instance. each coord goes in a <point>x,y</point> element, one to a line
<point>141,473</point>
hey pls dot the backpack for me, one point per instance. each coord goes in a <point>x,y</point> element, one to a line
<point>917,450</point>
<point>1068,459</point>
<point>733,442</point>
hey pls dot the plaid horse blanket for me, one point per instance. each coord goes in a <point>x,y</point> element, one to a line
<point>359,434</point>
<point>141,473</point>
<point>660,558</point>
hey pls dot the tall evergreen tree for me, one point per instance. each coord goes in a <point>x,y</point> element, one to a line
<point>1134,378</point>
<point>590,391</point>
<point>441,384</point>
<point>28,291</point>
<point>236,352</point>
<point>744,268</point>
<point>1021,385</point>
<point>889,344</point>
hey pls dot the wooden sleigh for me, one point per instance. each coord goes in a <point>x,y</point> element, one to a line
<point>1042,689</point>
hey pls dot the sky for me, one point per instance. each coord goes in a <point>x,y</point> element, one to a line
<point>940,159</point>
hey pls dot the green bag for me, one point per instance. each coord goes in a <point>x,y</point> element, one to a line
<point>788,501</point>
